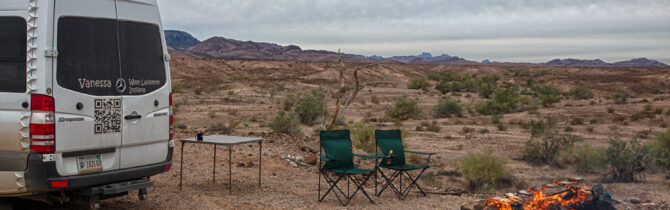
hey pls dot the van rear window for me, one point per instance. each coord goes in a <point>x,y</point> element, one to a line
<point>12,54</point>
<point>93,54</point>
<point>88,56</point>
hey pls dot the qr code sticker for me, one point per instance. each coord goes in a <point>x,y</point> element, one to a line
<point>107,116</point>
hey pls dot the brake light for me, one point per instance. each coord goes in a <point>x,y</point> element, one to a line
<point>59,184</point>
<point>167,167</point>
<point>171,118</point>
<point>42,124</point>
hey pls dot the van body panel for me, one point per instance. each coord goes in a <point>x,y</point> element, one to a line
<point>12,183</point>
<point>83,38</point>
<point>11,113</point>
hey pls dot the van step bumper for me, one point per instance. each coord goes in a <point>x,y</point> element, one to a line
<point>40,175</point>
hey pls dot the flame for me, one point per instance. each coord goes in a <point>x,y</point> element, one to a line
<point>570,198</point>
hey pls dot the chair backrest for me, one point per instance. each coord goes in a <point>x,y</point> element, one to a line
<point>337,145</point>
<point>391,140</point>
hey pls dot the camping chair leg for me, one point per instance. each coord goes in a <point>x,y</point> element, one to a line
<point>389,183</point>
<point>319,190</point>
<point>330,181</point>
<point>333,185</point>
<point>359,187</point>
<point>414,184</point>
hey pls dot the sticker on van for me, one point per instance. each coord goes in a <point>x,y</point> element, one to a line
<point>107,116</point>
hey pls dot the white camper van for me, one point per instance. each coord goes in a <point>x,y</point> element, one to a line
<point>84,98</point>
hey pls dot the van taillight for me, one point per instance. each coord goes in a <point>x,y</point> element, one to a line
<point>171,118</point>
<point>42,124</point>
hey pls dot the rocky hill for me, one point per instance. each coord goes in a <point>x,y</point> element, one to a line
<point>179,40</point>
<point>185,45</point>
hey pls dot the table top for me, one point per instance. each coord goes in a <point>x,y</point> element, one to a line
<point>223,140</point>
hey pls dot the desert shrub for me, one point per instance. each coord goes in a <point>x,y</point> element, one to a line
<point>198,90</point>
<point>547,139</point>
<point>590,129</point>
<point>364,136</point>
<point>496,118</point>
<point>581,92</point>
<point>176,88</point>
<point>610,110</point>
<point>577,121</point>
<point>483,130</point>
<point>622,95</point>
<point>548,94</point>
<point>218,127</point>
<point>468,130</point>
<point>484,171</point>
<point>405,108</point>
<point>593,121</point>
<point>311,106</point>
<point>419,82</point>
<point>181,126</point>
<point>442,76</point>
<point>374,100</point>
<point>504,101</point>
<point>289,102</point>
<point>487,85</point>
<point>285,123</point>
<point>501,127</point>
<point>434,127</point>
<point>661,149</point>
<point>211,114</point>
<point>626,159</point>
<point>588,159</point>
<point>447,108</point>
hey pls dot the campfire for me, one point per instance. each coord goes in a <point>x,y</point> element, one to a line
<point>569,194</point>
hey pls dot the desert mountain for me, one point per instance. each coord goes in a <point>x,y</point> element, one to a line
<point>179,40</point>
<point>637,62</point>
<point>185,45</point>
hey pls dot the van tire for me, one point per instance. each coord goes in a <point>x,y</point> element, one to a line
<point>6,204</point>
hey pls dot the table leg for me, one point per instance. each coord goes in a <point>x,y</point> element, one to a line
<point>181,164</point>
<point>260,161</point>
<point>214,171</point>
<point>230,170</point>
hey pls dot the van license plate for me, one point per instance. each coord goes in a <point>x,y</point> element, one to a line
<point>88,164</point>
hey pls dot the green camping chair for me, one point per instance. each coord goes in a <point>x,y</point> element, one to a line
<point>393,153</point>
<point>339,160</point>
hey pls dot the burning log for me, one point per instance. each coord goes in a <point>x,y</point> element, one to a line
<point>569,195</point>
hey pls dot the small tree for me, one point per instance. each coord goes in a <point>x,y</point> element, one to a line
<point>626,159</point>
<point>285,123</point>
<point>311,105</point>
<point>662,149</point>
<point>484,171</point>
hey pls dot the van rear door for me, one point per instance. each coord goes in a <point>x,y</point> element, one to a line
<point>146,124</point>
<point>88,106</point>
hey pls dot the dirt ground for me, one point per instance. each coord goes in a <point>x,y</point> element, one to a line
<point>210,91</point>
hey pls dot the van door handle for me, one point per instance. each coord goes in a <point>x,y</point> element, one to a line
<point>132,116</point>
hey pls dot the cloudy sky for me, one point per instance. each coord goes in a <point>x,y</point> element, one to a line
<point>500,30</point>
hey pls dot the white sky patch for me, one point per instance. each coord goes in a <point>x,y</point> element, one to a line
<point>512,30</point>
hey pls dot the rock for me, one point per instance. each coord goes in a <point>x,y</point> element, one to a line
<point>474,205</point>
<point>250,164</point>
<point>311,159</point>
<point>239,164</point>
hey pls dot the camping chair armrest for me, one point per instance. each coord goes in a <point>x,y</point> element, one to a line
<point>364,156</point>
<point>421,153</point>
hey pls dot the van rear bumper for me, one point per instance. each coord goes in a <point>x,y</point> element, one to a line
<point>40,174</point>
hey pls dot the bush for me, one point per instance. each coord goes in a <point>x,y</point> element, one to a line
<point>661,149</point>
<point>577,121</point>
<point>447,108</point>
<point>289,102</point>
<point>442,76</point>
<point>405,108</point>
<point>483,170</point>
<point>626,159</point>
<point>176,88</point>
<point>548,94</point>
<point>621,97</point>
<point>364,136</point>
<point>504,101</point>
<point>581,92</point>
<point>547,140</point>
<point>285,123</point>
<point>468,130</point>
<point>588,159</point>
<point>311,106</point>
<point>218,127</point>
<point>419,82</point>
<point>198,90</point>
<point>374,100</point>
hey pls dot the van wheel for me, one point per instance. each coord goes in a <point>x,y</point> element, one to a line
<point>6,204</point>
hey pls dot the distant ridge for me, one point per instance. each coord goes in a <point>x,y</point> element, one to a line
<point>184,45</point>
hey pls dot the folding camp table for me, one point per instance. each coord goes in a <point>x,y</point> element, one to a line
<point>223,140</point>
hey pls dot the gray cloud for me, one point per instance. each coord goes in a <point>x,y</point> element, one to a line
<point>511,30</point>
